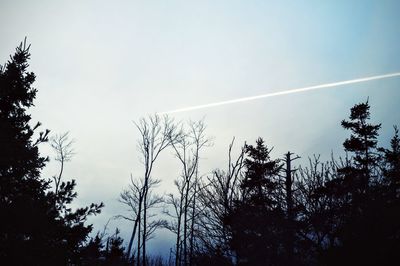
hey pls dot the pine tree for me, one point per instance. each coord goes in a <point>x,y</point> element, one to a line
<point>256,221</point>
<point>114,252</point>
<point>363,144</point>
<point>92,253</point>
<point>391,171</point>
<point>389,196</point>
<point>37,227</point>
<point>260,171</point>
<point>355,191</point>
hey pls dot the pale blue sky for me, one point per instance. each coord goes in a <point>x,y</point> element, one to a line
<point>102,64</point>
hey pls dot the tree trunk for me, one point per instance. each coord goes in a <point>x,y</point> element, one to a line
<point>289,206</point>
<point>185,225</point>
<point>138,243</point>
<point>192,226</point>
<point>144,222</point>
<point>132,238</point>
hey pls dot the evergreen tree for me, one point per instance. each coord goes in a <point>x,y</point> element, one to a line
<point>391,170</point>
<point>256,221</point>
<point>261,172</point>
<point>356,193</point>
<point>363,144</point>
<point>92,253</point>
<point>389,196</point>
<point>37,225</point>
<point>104,252</point>
<point>114,251</point>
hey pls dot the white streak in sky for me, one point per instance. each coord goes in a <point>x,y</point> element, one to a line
<point>322,86</point>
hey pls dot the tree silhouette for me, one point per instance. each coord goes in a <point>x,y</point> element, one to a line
<point>187,147</point>
<point>37,226</point>
<point>260,211</point>
<point>388,194</point>
<point>256,219</point>
<point>358,191</point>
<point>342,211</point>
<point>92,253</point>
<point>218,196</point>
<point>157,133</point>
<point>101,250</point>
<point>391,170</point>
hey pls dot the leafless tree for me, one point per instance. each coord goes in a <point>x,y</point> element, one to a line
<point>217,196</point>
<point>157,133</point>
<point>286,193</point>
<point>133,198</point>
<point>62,145</point>
<point>315,203</point>
<point>176,223</point>
<point>187,149</point>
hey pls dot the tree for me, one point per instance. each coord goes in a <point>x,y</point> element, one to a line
<point>356,193</point>
<point>187,146</point>
<point>256,219</point>
<point>114,251</point>
<point>319,214</point>
<point>363,144</point>
<point>391,169</point>
<point>156,135</point>
<point>64,152</point>
<point>102,250</point>
<point>133,198</point>
<point>218,195</point>
<point>92,253</point>
<point>37,226</point>
<point>290,208</point>
<point>389,196</point>
<point>349,206</point>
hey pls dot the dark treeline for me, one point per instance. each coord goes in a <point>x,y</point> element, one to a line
<point>258,211</point>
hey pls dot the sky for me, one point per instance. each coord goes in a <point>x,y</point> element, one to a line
<point>101,65</point>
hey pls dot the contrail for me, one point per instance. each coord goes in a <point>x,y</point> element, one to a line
<point>322,86</point>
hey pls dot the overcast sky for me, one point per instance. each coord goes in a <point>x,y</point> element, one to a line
<point>102,64</point>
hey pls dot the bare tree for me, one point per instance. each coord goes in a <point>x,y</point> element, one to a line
<point>133,198</point>
<point>157,133</point>
<point>175,224</point>
<point>62,145</point>
<point>315,203</point>
<point>288,189</point>
<point>187,149</point>
<point>217,197</point>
